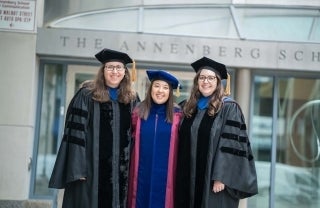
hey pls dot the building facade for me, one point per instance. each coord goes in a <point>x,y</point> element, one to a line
<point>271,49</point>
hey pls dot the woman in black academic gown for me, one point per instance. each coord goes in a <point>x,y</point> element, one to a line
<point>215,167</point>
<point>93,159</point>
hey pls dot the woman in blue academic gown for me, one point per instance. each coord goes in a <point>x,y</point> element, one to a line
<point>155,132</point>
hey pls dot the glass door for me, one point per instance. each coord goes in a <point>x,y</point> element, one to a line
<point>55,92</point>
<point>261,137</point>
<point>48,127</point>
<point>297,170</point>
<point>285,130</point>
<point>76,75</point>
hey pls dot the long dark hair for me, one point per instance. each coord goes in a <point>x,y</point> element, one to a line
<point>215,102</point>
<point>145,105</point>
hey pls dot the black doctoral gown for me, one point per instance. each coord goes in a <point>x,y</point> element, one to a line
<point>95,146</point>
<point>214,148</point>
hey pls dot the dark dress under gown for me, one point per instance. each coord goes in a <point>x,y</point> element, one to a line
<point>214,148</point>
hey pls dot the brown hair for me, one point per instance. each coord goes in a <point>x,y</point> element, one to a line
<point>145,105</point>
<point>215,102</point>
<point>101,94</point>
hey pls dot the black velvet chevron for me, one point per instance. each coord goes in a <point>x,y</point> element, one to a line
<point>75,126</point>
<point>237,152</point>
<point>79,112</point>
<point>74,140</point>
<point>236,124</point>
<point>235,137</point>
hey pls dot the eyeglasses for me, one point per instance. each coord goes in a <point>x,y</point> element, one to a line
<point>111,68</point>
<point>208,78</point>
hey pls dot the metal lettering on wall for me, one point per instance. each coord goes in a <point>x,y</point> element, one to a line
<point>173,49</point>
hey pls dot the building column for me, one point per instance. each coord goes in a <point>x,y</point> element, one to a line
<point>242,96</point>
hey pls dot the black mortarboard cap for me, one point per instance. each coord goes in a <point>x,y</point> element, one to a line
<point>165,76</point>
<point>106,55</point>
<point>212,65</point>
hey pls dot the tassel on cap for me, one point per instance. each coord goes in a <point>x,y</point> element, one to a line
<point>178,91</point>
<point>227,91</point>
<point>133,72</point>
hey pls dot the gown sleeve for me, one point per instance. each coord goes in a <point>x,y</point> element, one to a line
<point>234,163</point>
<point>70,164</point>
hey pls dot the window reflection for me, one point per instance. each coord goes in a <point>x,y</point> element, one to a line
<point>49,127</point>
<point>80,78</point>
<point>279,23</point>
<point>203,22</point>
<point>228,21</point>
<point>297,168</point>
<point>298,165</point>
<point>261,137</point>
<point>92,20</point>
